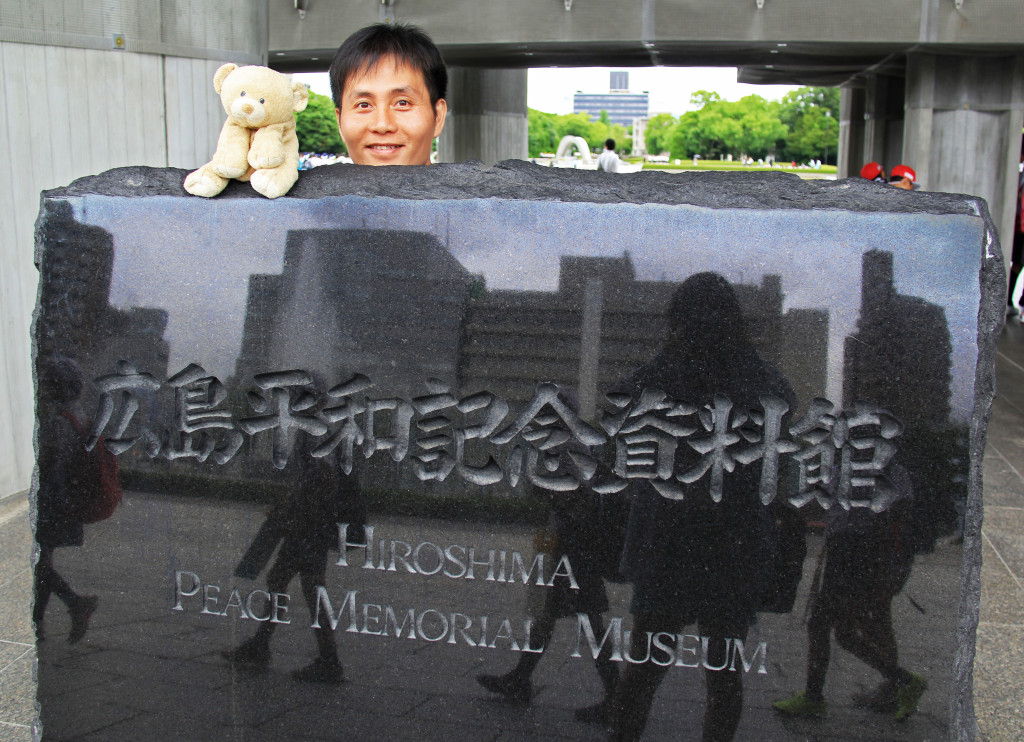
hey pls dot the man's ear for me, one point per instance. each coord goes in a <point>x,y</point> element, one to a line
<point>440,111</point>
<point>337,116</point>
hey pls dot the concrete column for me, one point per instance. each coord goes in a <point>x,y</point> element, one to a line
<point>963,128</point>
<point>850,157</point>
<point>883,120</point>
<point>486,116</point>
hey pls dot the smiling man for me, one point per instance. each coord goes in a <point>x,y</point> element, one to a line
<point>388,83</point>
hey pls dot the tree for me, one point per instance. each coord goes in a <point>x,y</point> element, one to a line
<point>575,124</point>
<point>546,130</point>
<point>317,126</point>
<point>811,131</point>
<point>712,130</point>
<point>750,126</point>
<point>814,134</point>
<point>760,125</point>
<point>543,132</point>
<point>659,132</point>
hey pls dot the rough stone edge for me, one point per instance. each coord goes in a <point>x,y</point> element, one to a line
<point>991,315</point>
<point>519,180</point>
<point>33,495</point>
<point>516,179</point>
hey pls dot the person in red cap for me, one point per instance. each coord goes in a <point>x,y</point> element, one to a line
<point>903,177</point>
<point>873,171</point>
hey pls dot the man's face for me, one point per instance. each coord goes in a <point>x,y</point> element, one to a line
<point>904,183</point>
<point>386,117</point>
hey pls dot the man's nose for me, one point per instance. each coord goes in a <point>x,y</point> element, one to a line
<point>383,119</point>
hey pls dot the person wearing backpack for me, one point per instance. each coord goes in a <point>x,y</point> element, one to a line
<point>58,513</point>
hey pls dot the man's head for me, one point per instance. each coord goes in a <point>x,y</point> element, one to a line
<point>873,171</point>
<point>388,83</point>
<point>903,177</point>
<point>609,144</point>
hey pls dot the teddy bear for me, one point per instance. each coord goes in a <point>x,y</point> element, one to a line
<point>258,141</point>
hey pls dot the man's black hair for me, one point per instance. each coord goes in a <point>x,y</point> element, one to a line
<point>609,144</point>
<point>364,49</point>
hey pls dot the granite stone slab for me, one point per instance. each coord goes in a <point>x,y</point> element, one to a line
<point>422,453</point>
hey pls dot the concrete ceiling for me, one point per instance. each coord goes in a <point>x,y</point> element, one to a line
<point>805,42</point>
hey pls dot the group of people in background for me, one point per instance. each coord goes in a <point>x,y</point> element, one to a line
<point>902,176</point>
<point>310,160</point>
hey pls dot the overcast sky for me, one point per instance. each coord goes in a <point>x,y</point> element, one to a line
<point>551,89</point>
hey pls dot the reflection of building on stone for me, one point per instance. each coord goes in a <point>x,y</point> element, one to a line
<point>901,358</point>
<point>387,304</point>
<point>514,338</point>
<point>804,357</point>
<point>136,334</point>
<point>260,313</point>
<point>901,355</point>
<point>74,316</point>
<point>75,272</point>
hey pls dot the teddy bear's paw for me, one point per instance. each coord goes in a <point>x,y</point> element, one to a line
<point>228,167</point>
<point>273,183</point>
<point>203,182</point>
<point>265,157</point>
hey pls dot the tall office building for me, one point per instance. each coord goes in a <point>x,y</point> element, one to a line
<point>622,106</point>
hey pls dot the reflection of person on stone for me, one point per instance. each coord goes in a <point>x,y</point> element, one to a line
<point>867,560</point>
<point>305,523</point>
<point>581,524</point>
<point>58,520</point>
<point>694,560</point>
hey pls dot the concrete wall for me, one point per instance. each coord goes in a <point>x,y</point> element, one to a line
<point>73,105</point>
<point>963,128</point>
<point>956,119</point>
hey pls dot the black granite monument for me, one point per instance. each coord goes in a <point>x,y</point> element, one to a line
<point>452,453</point>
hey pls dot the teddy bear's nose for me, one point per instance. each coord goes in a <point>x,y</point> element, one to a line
<point>247,108</point>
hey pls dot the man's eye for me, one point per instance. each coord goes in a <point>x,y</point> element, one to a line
<point>404,102</point>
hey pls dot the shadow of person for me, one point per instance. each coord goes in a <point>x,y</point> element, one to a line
<point>700,551</point>
<point>580,528</point>
<point>305,524</point>
<point>63,461</point>
<point>867,560</point>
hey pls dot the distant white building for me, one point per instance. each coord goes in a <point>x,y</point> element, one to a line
<point>639,135</point>
<point>622,106</point>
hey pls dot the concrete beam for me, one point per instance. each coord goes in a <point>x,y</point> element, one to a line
<point>780,41</point>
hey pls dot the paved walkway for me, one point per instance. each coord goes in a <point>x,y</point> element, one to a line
<point>413,712</point>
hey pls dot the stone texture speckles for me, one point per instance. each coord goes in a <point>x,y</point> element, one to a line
<point>377,292</point>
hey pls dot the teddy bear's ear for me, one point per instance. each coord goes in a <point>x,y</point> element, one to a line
<point>300,96</point>
<point>222,73</point>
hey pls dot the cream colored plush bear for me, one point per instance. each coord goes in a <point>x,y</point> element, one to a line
<point>258,141</point>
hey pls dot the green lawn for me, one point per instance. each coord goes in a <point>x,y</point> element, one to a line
<point>723,165</point>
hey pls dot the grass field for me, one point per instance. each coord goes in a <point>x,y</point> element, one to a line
<point>824,170</point>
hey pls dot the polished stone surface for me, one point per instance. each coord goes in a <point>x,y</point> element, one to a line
<point>532,298</point>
